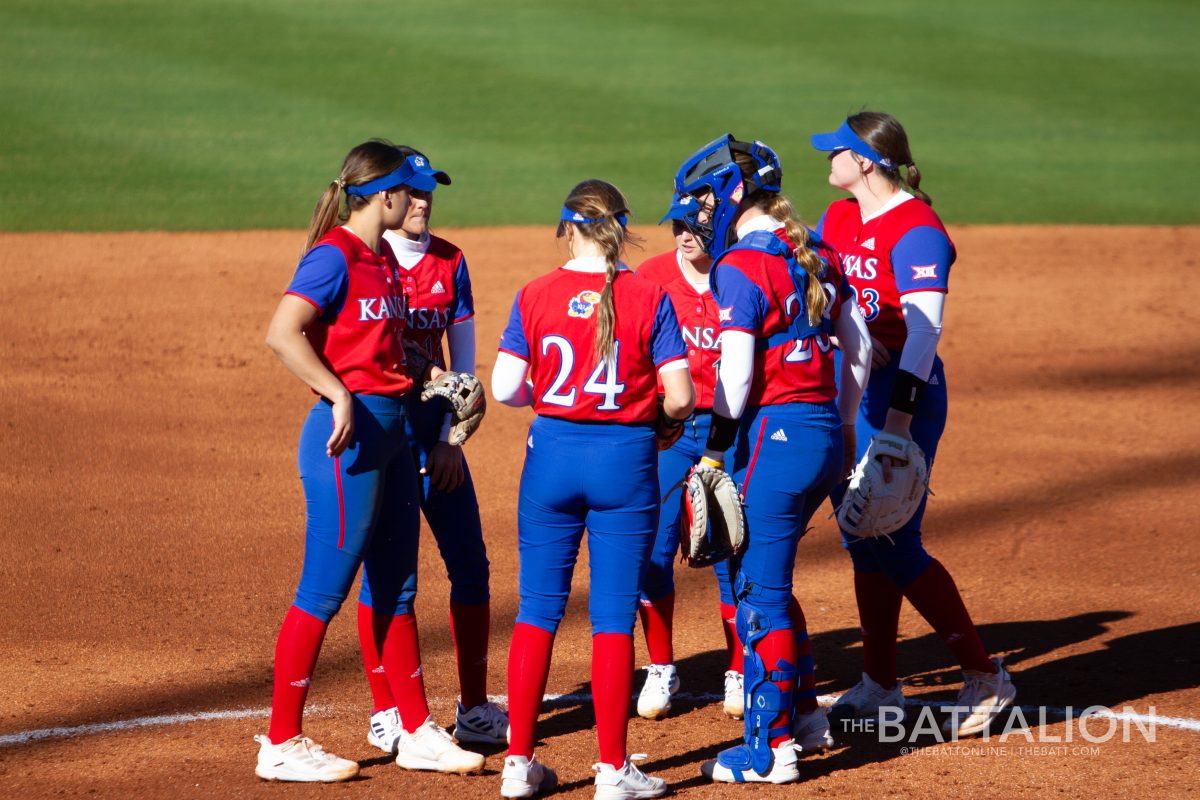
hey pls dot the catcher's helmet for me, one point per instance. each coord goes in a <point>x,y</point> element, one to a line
<point>711,169</point>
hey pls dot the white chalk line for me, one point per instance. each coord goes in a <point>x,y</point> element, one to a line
<point>556,701</point>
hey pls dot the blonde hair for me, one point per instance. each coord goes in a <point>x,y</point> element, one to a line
<point>365,163</point>
<point>778,206</point>
<point>601,201</point>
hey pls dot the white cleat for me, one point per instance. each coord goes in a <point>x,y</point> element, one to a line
<point>301,759</point>
<point>662,681</point>
<point>986,695</point>
<point>628,782</point>
<point>525,777</point>
<point>735,694</point>
<point>865,700</point>
<point>385,729</point>
<point>733,766</point>
<point>485,724</point>
<point>429,747</point>
<point>811,731</point>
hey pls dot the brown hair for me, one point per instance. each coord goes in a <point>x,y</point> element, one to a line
<point>365,163</point>
<point>886,136</point>
<point>776,205</point>
<point>602,202</point>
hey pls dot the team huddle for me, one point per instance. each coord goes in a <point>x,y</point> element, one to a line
<point>762,365</point>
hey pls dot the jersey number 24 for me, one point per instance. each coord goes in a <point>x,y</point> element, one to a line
<point>602,381</point>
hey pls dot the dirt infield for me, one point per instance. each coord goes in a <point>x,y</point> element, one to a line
<point>151,527</point>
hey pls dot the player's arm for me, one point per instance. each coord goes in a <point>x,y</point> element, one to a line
<point>921,263</point>
<point>509,381</point>
<point>742,308</point>
<point>285,336</point>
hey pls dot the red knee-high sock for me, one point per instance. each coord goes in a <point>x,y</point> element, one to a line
<point>470,625</point>
<point>657,622</point>
<point>806,668</point>
<point>612,683</point>
<point>402,664</point>
<point>776,649</point>
<point>733,645</point>
<point>296,652</point>
<point>936,598</point>
<point>372,630</point>
<point>879,614</point>
<point>528,670</point>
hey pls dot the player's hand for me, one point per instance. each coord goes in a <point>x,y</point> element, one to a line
<point>444,466</point>
<point>897,424</point>
<point>879,354</point>
<point>343,426</point>
<point>849,445</point>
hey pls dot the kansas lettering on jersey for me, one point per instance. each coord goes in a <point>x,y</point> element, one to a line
<point>698,323</point>
<point>905,249</point>
<point>438,291</point>
<point>553,325</point>
<point>358,334</point>
<point>755,294</point>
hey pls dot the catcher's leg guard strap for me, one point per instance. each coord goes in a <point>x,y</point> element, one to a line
<point>765,701</point>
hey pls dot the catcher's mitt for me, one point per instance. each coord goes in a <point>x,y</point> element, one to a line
<point>873,508</point>
<point>463,392</point>
<point>667,429</point>
<point>712,523</point>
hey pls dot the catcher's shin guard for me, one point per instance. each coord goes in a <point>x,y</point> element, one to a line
<point>765,702</point>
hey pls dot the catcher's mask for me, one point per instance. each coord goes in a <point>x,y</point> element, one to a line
<point>711,173</point>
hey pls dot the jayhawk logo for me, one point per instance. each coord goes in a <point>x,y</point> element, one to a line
<point>583,304</point>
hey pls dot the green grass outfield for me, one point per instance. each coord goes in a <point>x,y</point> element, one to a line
<point>211,114</point>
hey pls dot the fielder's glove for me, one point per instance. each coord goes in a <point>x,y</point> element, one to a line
<point>712,523</point>
<point>873,508</point>
<point>667,429</point>
<point>463,392</point>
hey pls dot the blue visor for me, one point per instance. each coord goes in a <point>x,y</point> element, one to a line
<point>844,138</point>
<point>568,215</point>
<point>683,207</point>
<point>415,173</point>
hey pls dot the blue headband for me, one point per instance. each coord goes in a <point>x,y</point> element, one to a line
<point>844,138</point>
<point>568,215</point>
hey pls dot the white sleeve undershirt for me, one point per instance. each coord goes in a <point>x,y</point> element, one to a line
<point>855,344</point>
<point>509,385</point>
<point>923,318</point>
<point>735,374</point>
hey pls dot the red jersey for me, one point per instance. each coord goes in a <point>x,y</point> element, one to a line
<point>698,323</point>
<point>553,327</point>
<point>358,334</point>
<point>755,294</point>
<point>438,293</point>
<point>904,249</point>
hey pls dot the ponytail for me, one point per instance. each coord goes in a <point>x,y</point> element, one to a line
<point>325,215</point>
<point>601,203</point>
<point>913,184</point>
<point>815,299</point>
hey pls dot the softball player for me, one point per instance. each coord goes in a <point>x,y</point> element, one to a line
<point>779,297</point>
<point>593,339</point>
<point>439,304</point>
<point>683,274</point>
<point>339,328</point>
<point>897,257</point>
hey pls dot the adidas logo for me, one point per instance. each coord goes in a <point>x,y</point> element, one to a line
<point>530,442</point>
<point>933,381</point>
<point>779,436</point>
<point>302,683</point>
<point>438,288</point>
<point>869,244</point>
<point>420,671</point>
<point>378,670</point>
